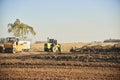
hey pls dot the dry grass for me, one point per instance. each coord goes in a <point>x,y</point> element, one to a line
<point>37,47</point>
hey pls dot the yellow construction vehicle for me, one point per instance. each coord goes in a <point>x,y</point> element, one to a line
<point>52,46</point>
<point>12,45</point>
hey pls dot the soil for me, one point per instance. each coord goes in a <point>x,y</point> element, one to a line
<point>59,66</point>
<point>40,65</point>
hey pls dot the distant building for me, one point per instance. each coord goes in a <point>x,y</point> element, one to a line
<point>112,40</point>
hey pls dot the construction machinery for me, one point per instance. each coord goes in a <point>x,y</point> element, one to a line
<point>52,46</point>
<point>12,45</point>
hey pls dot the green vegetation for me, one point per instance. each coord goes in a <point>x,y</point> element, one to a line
<point>20,29</point>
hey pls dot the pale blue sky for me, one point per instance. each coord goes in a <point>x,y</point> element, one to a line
<point>65,20</point>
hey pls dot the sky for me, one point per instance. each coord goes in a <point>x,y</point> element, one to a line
<point>64,20</point>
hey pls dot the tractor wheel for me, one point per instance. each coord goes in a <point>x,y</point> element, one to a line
<point>46,49</point>
<point>55,49</point>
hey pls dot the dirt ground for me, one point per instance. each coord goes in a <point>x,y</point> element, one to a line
<point>60,73</point>
<point>59,66</point>
<point>39,65</point>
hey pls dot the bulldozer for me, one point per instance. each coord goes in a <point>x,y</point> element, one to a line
<point>52,46</point>
<point>12,45</point>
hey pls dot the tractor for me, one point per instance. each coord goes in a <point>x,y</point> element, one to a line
<point>12,45</point>
<point>52,46</point>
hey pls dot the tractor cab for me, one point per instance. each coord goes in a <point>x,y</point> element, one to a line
<point>53,41</point>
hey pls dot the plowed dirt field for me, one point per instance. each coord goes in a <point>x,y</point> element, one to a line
<point>59,66</point>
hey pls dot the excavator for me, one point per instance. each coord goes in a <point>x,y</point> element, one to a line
<point>52,46</point>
